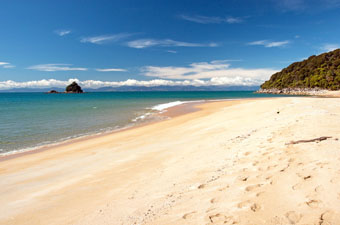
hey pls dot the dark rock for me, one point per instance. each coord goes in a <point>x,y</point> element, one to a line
<point>293,91</point>
<point>73,88</point>
<point>53,92</point>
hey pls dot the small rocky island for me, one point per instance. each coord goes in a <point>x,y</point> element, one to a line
<point>72,88</point>
<point>314,75</point>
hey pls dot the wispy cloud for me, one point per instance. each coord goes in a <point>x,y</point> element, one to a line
<point>172,51</point>
<point>216,70</point>
<point>56,67</point>
<point>146,43</point>
<point>270,44</point>
<point>329,47</point>
<point>211,19</point>
<point>111,70</point>
<point>62,32</point>
<point>103,39</point>
<point>6,65</point>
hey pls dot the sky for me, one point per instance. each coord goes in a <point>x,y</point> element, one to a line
<point>152,42</point>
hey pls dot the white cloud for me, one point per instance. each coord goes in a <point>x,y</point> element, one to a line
<point>270,44</point>
<point>261,42</point>
<point>146,43</point>
<point>62,32</point>
<point>111,70</point>
<point>211,19</point>
<point>329,47</point>
<point>102,39</point>
<point>212,73</point>
<point>216,70</point>
<point>56,67</point>
<point>6,65</point>
<point>233,20</point>
<point>216,81</point>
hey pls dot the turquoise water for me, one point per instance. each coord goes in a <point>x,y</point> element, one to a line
<point>28,120</point>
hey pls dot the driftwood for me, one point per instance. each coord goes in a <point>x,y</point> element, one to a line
<point>310,140</point>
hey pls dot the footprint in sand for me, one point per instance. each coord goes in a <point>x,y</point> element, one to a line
<point>293,217</point>
<point>201,186</point>
<point>219,218</point>
<point>243,178</point>
<point>249,204</point>
<point>296,186</point>
<point>329,218</point>
<point>188,215</point>
<point>253,187</point>
<point>313,203</point>
<point>304,176</point>
<point>213,200</point>
<point>284,168</point>
<point>255,207</point>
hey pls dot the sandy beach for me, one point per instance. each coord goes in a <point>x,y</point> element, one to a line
<point>231,162</point>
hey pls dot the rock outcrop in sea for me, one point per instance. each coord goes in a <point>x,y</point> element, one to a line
<point>72,88</point>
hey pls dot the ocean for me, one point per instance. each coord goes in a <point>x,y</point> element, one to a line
<point>30,120</point>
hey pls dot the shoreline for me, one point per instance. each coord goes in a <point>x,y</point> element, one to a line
<point>168,113</point>
<point>316,92</point>
<point>227,162</point>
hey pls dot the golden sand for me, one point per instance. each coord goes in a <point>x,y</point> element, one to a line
<point>228,163</point>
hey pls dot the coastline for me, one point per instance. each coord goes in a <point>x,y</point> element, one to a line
<point>167,113</point>
<point>227,162</point>
<point>161,114</point>
<point>302,91</point>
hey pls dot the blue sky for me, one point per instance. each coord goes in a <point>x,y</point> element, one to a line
<point>152,42</point>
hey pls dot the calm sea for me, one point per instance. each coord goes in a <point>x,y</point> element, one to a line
<point>28,120</point>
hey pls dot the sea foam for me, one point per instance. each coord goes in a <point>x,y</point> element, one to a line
<point>162,107</point>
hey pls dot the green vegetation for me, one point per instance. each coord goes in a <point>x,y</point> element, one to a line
<point>322,71</point>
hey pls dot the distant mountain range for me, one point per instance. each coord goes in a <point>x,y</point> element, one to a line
<point>143,88</point>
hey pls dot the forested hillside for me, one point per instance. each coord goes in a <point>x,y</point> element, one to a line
<point>322,71</point>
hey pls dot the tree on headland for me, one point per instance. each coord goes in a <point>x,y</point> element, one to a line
<point>322,71</point>
<point>74,88</point>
